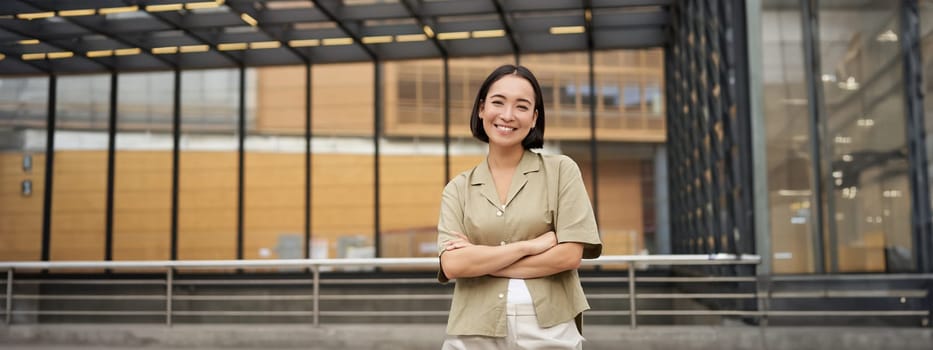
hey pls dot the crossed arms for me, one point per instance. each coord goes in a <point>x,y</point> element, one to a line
<point>538,257</point>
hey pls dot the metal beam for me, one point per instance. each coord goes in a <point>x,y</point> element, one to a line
<point>264,30</point>
<point>16,56</point>
<point>329,13</point>
<point>162,16</point>
<point>49,69</point>
<point>516,51</point>
<point>95,30</point>
<point>414,13</point>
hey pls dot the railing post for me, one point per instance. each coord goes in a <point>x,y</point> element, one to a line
<point>631,295</point>
<point>169,275</point>
<point>316,291</point>
<point>763,293</point>
<point>9,296</point>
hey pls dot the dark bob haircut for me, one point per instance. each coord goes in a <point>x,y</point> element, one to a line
<point>535,138</point>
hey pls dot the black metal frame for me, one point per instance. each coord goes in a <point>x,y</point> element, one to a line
<point>176,160</point>
<point>111,167</point>
<point>810,29</point>
<point>307,209</point>
<point>921,216</point>
<point>47,189</point>
<point>241,163</point>
<point>377,133</point>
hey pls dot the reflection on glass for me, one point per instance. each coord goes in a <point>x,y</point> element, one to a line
<point>207,195</point>
<point>412,158</point>
<point>342,164</point>
<point>143,174</point>
<point>79,198</point>
<point>865,137</point>
<point>274,169</point>
<point>630,106</point>
<point>466,76</point>
<point>787,127</point>
<point>22,160</point>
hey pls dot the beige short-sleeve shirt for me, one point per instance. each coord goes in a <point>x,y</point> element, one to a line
<point>547,193</point>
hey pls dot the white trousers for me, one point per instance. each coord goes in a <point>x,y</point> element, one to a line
<point>524,333</point>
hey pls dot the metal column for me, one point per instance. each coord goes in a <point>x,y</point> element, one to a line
<point>111,162</point>
<point>50,122</point>
<point>916,137</point>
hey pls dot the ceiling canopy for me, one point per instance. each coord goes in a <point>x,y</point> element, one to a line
<point>52,37</point>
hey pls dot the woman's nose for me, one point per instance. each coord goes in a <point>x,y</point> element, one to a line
<point>508,114</point>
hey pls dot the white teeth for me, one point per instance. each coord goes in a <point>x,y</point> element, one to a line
<point>504,128</point>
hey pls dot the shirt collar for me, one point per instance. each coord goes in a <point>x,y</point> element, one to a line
<point>530,163</point>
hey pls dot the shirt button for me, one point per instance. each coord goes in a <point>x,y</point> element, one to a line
<point>501,295</point>
<point>498,213</point>
<point>502,243</point>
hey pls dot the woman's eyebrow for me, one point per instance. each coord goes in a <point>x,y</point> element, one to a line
<point>503,97</point>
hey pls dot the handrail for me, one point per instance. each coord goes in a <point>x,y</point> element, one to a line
<point>672,259</point>
<point>168,266</point>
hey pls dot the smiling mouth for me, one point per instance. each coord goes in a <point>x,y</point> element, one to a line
<point>504,128</point>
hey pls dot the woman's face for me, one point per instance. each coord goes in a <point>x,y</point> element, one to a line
<point>508,111</point>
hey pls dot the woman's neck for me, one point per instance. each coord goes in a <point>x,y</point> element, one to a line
<point>504,158</point>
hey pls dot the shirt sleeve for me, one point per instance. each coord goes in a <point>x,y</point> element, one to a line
<point>574,220</point>
<point>450,220</point>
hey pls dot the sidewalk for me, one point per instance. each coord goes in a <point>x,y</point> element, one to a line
<point>430,336</point>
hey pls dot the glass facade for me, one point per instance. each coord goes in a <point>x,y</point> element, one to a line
<point>862,139</point>
<point>80,171</point>
<point>343,160</point>
<point>343,156</point>
<point>207,194</point>
<point>142,194</point>
<point>788,137</point>
<point>23,126</point>
<point>836,145</point>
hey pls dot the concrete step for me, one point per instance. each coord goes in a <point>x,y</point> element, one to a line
<point>430,336</point>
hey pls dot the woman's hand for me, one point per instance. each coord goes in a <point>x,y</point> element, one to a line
<point>542,243</point>
<point>461,241</point>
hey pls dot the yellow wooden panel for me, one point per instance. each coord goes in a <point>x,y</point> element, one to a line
<point>21,216</point>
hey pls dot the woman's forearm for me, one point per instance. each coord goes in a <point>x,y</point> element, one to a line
<point>560,258</point>
<point>479,260</point>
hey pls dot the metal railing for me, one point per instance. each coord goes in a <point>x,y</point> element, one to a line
<point>758,288</point>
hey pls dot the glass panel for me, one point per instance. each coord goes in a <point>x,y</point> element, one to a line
<point>80,183</point>
<point>626,150</point>
<point>788,137</point>
<point>207,202</point>
<point>342,165</point>
<point>142,194</point>
<point>23,106</point>
<point>412,158</point>
<point>466,76</point>
<point>864,102</point>
<point>274,205</point>
<point>568,116</point>
<point>631,107</point>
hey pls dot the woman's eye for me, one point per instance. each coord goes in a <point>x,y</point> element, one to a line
<point>497,103</point>
<point>523,108</point>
